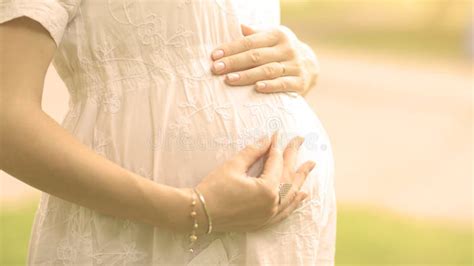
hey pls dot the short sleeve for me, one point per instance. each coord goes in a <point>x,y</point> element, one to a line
<point>53,15</point>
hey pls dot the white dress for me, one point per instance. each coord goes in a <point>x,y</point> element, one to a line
<point>142,95</point>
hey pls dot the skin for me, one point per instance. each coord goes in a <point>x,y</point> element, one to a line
<point>272,60</point>
<point>38,151</point>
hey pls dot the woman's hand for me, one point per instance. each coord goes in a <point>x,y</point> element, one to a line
<point>237,202</point>
<point>274,60</point>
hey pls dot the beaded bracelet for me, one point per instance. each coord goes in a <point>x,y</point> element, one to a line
<point>193,214</point>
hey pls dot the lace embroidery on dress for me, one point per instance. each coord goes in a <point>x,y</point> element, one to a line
<point>45,210</point>
<point>78,240</point>
<point>150,31</point>
<point>264,119</point>
<point>100,142</point>
<point>127,254</point>
<point>210,110</point>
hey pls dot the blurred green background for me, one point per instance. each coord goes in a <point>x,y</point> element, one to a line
<point>422,28</point>
<point>365,236</point>
<point>395,95</point>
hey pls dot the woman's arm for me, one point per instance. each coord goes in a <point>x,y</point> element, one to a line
<point>39,152</point>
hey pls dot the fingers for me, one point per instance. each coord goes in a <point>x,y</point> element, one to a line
<point>294,197</point>
<point>291,152</point>
<point>246,30</point>
<point>251,153</point>
<point>267,71</point>
<point>247,60</point>
<point>287,199</point>
<point>273,167</point>
<point>281,84</point>
<point>298,177</point>
<point>289,209</point>
<point>253,41</point>
<point>289,159</point>
<point>302,173</point>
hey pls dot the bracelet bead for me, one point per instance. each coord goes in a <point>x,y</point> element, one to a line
<point>193,214</point>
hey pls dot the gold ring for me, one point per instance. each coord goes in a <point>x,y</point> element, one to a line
<point>283,191</point>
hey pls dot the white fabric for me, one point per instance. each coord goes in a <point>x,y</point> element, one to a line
<point>142,95</point>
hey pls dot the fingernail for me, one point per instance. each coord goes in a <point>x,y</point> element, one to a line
<point>217,54</point>
<point>313,164</point>
<point>275,135</point>
<point>218,66</point>
<point>261,85</point>
<point>276,138</point>
<point>262,142</point>
<point>233,76</point>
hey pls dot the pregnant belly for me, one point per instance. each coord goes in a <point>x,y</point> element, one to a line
<point>175,129</point>
<point>210,122</point>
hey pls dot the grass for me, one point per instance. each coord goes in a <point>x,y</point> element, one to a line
<point>367,236</point>
<point>15,229</point>
<point>364,236</point>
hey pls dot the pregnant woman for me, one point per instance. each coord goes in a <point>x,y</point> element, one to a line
<point>168,152</point>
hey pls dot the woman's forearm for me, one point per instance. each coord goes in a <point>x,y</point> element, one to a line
<point>38,151</point>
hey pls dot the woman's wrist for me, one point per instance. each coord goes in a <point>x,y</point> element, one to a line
<point>200,212</point>
<point>170,207</point>
<point>166,206</point>
<point>202,200</point>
